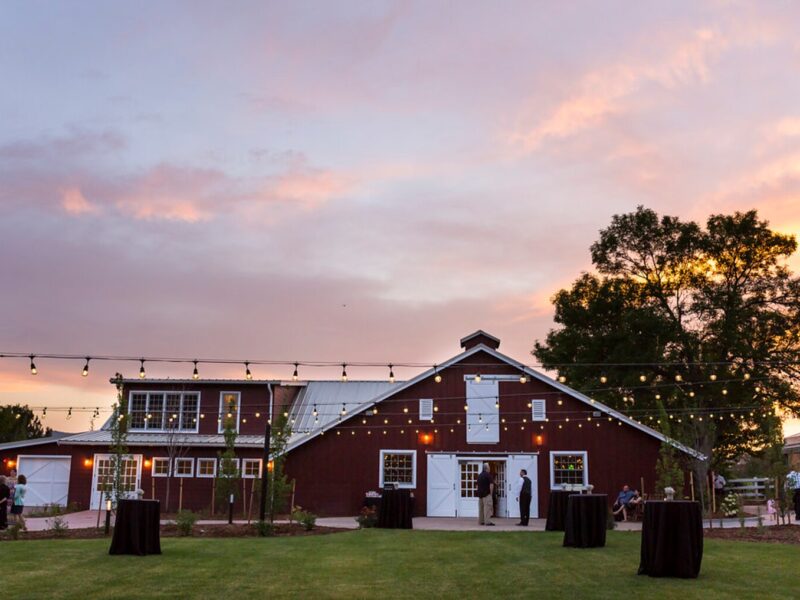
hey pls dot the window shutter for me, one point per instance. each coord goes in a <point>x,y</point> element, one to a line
<point>538,410</point>
<point>425,409</point>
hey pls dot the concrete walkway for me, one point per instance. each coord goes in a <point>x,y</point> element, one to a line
<point>88,519</point>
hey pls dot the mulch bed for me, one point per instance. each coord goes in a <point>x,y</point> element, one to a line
<point>171,530</point>
<point>776,534</point>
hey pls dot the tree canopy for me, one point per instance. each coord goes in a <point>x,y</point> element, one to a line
<point>702,321</point>
<point>19,423</point>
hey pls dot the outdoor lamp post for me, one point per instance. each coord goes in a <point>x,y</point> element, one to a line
<point>108,515</point>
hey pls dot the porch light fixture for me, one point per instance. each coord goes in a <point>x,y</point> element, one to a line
<point>147,463</point>
<point>247,374</point>
<point>344,372</point>
<point>391,373</point>
<point>33,366</point>
<point>195,374</point>
<point>85,371</point>
<point>141,369</point>
<point>87,462</point>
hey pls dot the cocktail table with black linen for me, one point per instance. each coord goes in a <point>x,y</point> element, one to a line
<point>557,510</point>
<point>396,510</point>
<point>672,539</point>
<point>585,524</point>
<point>137,529</point>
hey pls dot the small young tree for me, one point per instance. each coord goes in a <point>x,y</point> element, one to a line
<point>175,447</point>
<point>229,475</point>
<point>668,468</point>
<point>118,449</point>
<point>279,486</point>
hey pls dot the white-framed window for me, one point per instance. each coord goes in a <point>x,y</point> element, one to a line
<point>160,467</point>
<point>538,410</point>
<point>251,468</point>
<point>398,466</point>
<point>425,409</point>
<point>206,467</point>
<point>228,409</point>
<point>161,411</point>
<point>184,467</point>
<point>570,467</point>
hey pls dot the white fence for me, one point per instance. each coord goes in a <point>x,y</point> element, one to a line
<point>755,488</point>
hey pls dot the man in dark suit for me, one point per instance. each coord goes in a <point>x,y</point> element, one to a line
<point>5,493</point>
<point>524,497</point>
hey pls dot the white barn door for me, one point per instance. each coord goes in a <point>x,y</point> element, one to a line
<point>514,464</point>
<point>441,485</point>
<point>48,479</point>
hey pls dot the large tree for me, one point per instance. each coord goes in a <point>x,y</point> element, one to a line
<point>704,320</point>
<point>19,423</point>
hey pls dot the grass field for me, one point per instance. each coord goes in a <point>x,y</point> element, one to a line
<point>406,564</point>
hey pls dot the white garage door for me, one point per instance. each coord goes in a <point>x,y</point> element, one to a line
<point>48,479</point>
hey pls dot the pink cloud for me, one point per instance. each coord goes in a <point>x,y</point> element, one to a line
<point>75,203</point>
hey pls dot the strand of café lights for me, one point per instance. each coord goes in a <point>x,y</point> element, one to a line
<point>196,362</point>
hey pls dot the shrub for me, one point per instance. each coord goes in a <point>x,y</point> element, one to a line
<point>58,526</point>
<point>729,505</point>
<point>265,529</point>
<point>368,517</point>
<point>305,518</point>
<point>13,531</point>
<point>185,520</point>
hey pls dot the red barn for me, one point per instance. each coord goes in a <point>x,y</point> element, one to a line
<point>430,434</point>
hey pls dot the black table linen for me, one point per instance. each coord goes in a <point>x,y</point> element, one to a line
<point>672,539</point>
<point>396,510</point>
<point>585,523</point>
<point>557,510</point>
<point>138,528</point>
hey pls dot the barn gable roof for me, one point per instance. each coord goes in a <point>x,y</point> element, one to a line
<point>302,438</point>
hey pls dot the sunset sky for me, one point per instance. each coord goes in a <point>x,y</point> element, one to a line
<point>354,181</point>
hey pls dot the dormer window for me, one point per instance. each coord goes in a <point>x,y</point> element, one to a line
<point>163,411</point>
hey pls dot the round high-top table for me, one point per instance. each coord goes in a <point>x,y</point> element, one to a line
<point>396,510</point>
<point>137,529</point>
<point>585,524</point>
<point>672,539</point>
<point>557,510</point>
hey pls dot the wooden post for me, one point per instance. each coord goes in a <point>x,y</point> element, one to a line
<point>153,488</point>
<point>250,508</point>
<point>291,507</point>
<point>691,483</point>
<point>641,483</point>
<point>712,492</point>
<point>180,496</point>
<point>213,496</point>
<point>244,497</point>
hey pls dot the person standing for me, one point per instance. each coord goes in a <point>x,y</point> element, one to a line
<point>485,491</point>
<point>5,494</point>
<point>793,484</point>
<point>524,488</point>
<point>719,487</point>
<point>19,500</point>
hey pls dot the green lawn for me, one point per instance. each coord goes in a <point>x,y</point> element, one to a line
<point>418,564</point>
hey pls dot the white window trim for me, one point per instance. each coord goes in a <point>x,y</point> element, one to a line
<point>153,466</point>
<point>406,486</point>
<point>555,453</point>
<point>164,411</point>
<point>250,461</point>
<point>220,419</point>
<point>533,409</point>
<point>213,462</point>
<point>175,468</point>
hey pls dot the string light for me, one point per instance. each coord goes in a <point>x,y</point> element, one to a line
<point>523,378</point>
<point>85,371</point>
<point>478,378</point>
<point>247,374</point>
<point>642,377</point>
<point>713,377</point>
<point>562,379</point>
<point>33,366</point>
<point>391,373</point>
<point>295,376</point>
<point>603,379</point>
<point>195,374</point>
<point>344,372</point>
<point>344,409</point>
<point>141,369</point>
<point>314,412</point>
<point>438,376</point>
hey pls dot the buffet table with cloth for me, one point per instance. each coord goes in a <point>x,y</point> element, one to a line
<point>585,523</point>
<point>557,510</point>
<point>137,528</point>
<point>672,539</point>
<point>396,510</point>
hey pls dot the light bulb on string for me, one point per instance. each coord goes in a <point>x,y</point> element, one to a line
<point>34,371</point>
<point>437,376</point>
<point>603,379</point>
<point>344,409</point>
<point>141,369</point>
<point>642,377</point>
<point>678,377</point>
<point>195,374</point>
<point>247,374</point>
<point>497,403</point>
<point>295,376</point>
<point>69,413</point>
<point>713,377</point>
<point>562,379</point>
<point>478,378</point>
<point>746,376</point>
<point>85,371</point>
<point>391,373</point>
<point>314,412</point>
<point>344,372</point>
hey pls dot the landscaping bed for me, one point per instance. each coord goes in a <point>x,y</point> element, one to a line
<point>777,534</point>
<point>171,530</point>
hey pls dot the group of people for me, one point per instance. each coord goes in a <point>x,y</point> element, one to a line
<point>486,492</point>
<point>12,498</point>
<point>626,502</point>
